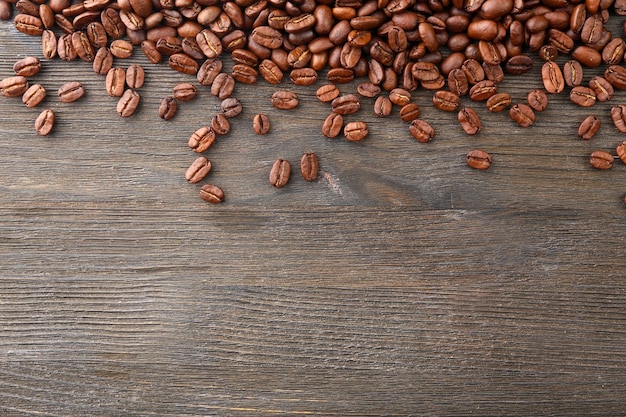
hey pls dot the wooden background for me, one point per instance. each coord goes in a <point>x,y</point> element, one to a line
<point>401,282</point>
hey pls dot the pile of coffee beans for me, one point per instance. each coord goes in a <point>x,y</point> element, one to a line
<point>453,48</point>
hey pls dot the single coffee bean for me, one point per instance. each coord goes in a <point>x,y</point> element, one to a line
<point>537,100</point>
<point>498,102</point>
<point>183,63</point>
<point>587,56</point>
<point>211,194</point>
<point>223,86</point>
<point>421,130</point>
<point>49,44</point>
<point>621,151</point>
<point>303,76</point>
<point>482,90</point>
<point>220,124</point>
<point>280,172</point>
<point>231,107</point>
<point>346,104</point>
<point>409,112</point>
<point>457,82</point>
<point>27,67</point>
<point>589,127</point>
<point>285,100</point>
<point>382,106</point>
<point>618,115</point>
<point>327,93</point>
<point>332,126</point>
<point>45,122</point>
<point>261,124</point>
<point>115,82</point>
<point>355,131</point>
<point>135,76</point>
<point>400,96</point>
<point>446,100</point>
<point>616,75</point>
<point>13,86</point>
<point>552,77</point>
<point>71,91</point>
<point>243,73</point>
<point>102,61</point>
<point>198,170</point>
<point>583,96</point>
<point>201,139</point>
<point>602,88</point>
<point>168,108</point>
<point>309,166</point>
<point>469,120</point>
<point>601,160</point>
<point>34,95</point>
<point>29,25</point>
<point>518,65</point>
<point>185,91</point>
<point>522,114</point>
<point>572,73</point>
<point>270,71</point>
<point>613,52</point>
<point>368,89</point>
<point>478,159</point>
<point>151,52</point>
<point>128,103</point>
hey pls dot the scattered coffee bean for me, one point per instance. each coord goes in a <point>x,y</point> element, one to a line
<point>168,108</point>
<point>198,170</point>
<point>27,67</point>
<point>469,121</point>
<point>231,107</point>
<point>115,82</point>
<point>327,93</point>
<point>421,130</point>
<point>589,127</point>
<point>202,139</point>
<point>135,76</point>
<point>71,91</point>
<point>355,131</point>
<point>382,106</point>
<point>128,103</point>
<point>185,91</point>
<point>552,77</point>
<point>211,194</point>
<point>621,151</point>
<point>261,124</point>
<point>220,124</point>
<point>478,159</point>
<point>601,160</point>
<point>522,114</point>
<point>346,104</point>
<point>409,112</point>
<point>332,126</point>
<point>285,100</point>
<point>618,115</point>
<point>280,172</point>
<point>34,95</point>
<point>537,100</point>
<point>498,102</point>
<point>13,86</point>
<point>45,122</point>
<point>309,166</point>
<point>446,100</point>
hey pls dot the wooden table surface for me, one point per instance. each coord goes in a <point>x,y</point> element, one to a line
<point>401,282</point>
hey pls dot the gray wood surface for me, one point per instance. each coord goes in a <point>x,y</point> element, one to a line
<point>401,282</point>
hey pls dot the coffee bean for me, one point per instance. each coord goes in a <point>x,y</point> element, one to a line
<point>243,73</point>
<point>469,121</point>
<point>168,108</point>
<point>478,159</point>
<point>355,131</point>
<point>29,25</point>
<point>280,172</point>
<point>183,63</point>
<point>71,91</point>
<point>13,86</point>
<point>601,160</point>
<point>45,122</point>
<point>27,67</point>
<point>135,76</point>
<point>303,76</point>
<point>618,115</point>
<point>382,106</point>
<point>151,52</point>
<point>498,102</point>
<point>198,169</point>
<point>284,100</point>
<point>446,100</point>
<point>482,90</point>
<point>231,107</point>
<point>457,82</point>
<point>223,85</point>
<point>309,166</point>
<point>572,73</point>
<point>552,77</point>
<point>115,82</point>
<point>333,125</point>
<point>537,100</point>
<point>621,151</point>
<point>121,48</point>
<point>616,75</point>
<point>220,124</point>
<point>102,61</point>
<point>400,96</point>
<point>368,89</point>
<point>583,96</point>
<point>421,130</point>
<point>327,93</point>
<point>589,127</point>
<point>202,139</point>
<point>49,44</point>
<point>518,65</point>
<point>409,112</point>
<point>128,103</point>
<point>261,124</point>
<point>185,91</point>
<point>270,71</point>
<point>522,114</point>
<point>34,95</point>
<point>211,194</point>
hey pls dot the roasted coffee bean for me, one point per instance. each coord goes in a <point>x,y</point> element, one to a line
<point>457,82</point>
<point>602,88</point>
<point>261,124</point>
<point>202,139</point>
<point>498,102</point>
<point>280,172</point>
<point>270,71</point>
<point>587,56</point>
<point>223,85</point>
<point>185,91</point>
<point>355,131</point>
<point>168,108</point>
<point>13,86</point>
<point>5,10</point>
<point>482,90</point>
<point>220,124</point>
<point>71,91</point>
<point>382,106</point>
<point>29,25</point>
<point>537,100</point>
<point>425,71</point>
<point>618,115</point>
<point>613,52</point>
<point>409,112</point>
<point>183,63</point>
<point>211,194</point>
<point>333,125</point>
<point>135,76</point>
<point>243,73</point>
<point>49,44</point>
<point>198,169</point>
<point>151,52</point>
<point>45,122</point>
<point>469,121</point>
<point>103,61</point>
<point>83,46</point>
<point>572,73</point>
<point>522,114</point>
<point>601,160</point>
<point>27,67</point>
<point>231,107</point>
<point>400,96</point>
<point>303,76</point>
<point>115,82</point>
<point>327,93</point>
<point>309,166</point>
<point>34,95</point>
<point>346,104</point>
<point>616,75</point>
<point>340,75</point>
<point>128,103</point>
<point>121,48</point>
<point>589,127</point>
<point>285,100</point>
<point>446,100</point>
<point>478,159</point>
<point>421,130</point>
<point>583,96</point>
<point>518,64</point>
<point>552,77</point>
<point>209,43</point>
<point>621,151</point>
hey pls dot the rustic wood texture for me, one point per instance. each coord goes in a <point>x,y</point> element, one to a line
<point>401,282</point>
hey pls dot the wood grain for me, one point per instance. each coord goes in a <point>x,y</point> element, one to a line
<point>401,282</point>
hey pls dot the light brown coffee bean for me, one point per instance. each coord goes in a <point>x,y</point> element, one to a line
<point>409,112</point>
<point>211,194</point>
<point>333,125</point>
<point>185,91</point>
<point>261,124</point>
<point>49,44</point>
<point>522,114</point>
<point>621,151</point>
<point>34,95</point>
<point>168,108</point>
<point>198,169</point>
<point>29,25</point>
<point>400,96</point>
<point>115,82</point>
<point>27,67</point>
<point>135,76</point>
<point>616,75</point>
<point>327,93</point>
<point>382,106</point>
<point>482,90</point>
<point>231,107</point>
<point>183,63</point>
<point>280,172</point>
<point>223,86</point>
<point>446,100</point>
<point>309,166</point>
<point>572,73</point>
<point>552,77</point>
<point>583,96</point>
<point>102,61</point>
<point>589,127</point>
<point>602,88</point>
<point>285,100</point>
<point>303,76</point>
<point>601,160</point>
<point>355,131</point>
<point>368,89</point>
<point>537,100</point>
<point>478,159</point>
<point>220,124</point>
<point>202,139</point>
<point>498,102</point>
<point>346,104</point>
<point>13,86</point>
<point>469,121</point>
<point>128,103</point>
<point>421,130</point>
<point>45,122</point>
<point>618,115</point>
<point>71,91</point>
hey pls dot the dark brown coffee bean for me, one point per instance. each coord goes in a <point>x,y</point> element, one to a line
<point>231,107</point>
<point>280,172</point>
<point>613,52</point>
<point>498,102</point>
<point>560,40</point>
<point>45,122</point>
<point>168,108</point>
<point>446,100</point>
<point>552,77</point>
<point>618,115</point>
<point>34,95</point>
<point>202,139</point>
<point>209,43</point>
<point>522,114</point>
<point>346,104</point>
<point>135,76</point>
<point>183,63</point>
<point>621,151</point>
<point>537,100</point>
<point>616,75</point>
<point>583,96</point>
<point>303,76</point>
<point>425,71</point>
<point>457,82</point>
<point>151,52</point>
<point>482,90</point>
<point>27,67</point>
<point>548,53</point>
<point>327,93</point>
<point>421,130</point>
<point>309,166</point>
<point>128,103</point>
<point>198,169</point>
<point>587,56</point>
<point>572,73</point>
<point>333,125</point>
<point>261,124</point>
<point>211,194</point>
<point>115,82</point>
<point>592,29</point>
<point>244,74</point>
<point>469,121</point>
<point>409,112</point>
<point>29,25</point>
<point>185,91</point>
<point>400,96</point>
<point>285,100</point>
<point>13,86</point>
<point>355,131</point>
<point>602,88</point>
<point>382,106</point>
<point>220,124</point>
<point>368,89</point>
<point>223,85</point>
<point>478,159</point>
<point>71,91</point>
<point>589,127</point>
<point>601,160</point>
<point>519,64</point>
<point>270,71</point>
